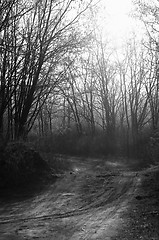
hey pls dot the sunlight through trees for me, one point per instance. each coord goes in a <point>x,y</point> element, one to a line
<point>63,83</point>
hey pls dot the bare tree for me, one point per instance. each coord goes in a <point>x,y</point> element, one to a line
<point>133,74</point>
<point>148,13</point>
<point>107,88</point>
<point>34,49</point>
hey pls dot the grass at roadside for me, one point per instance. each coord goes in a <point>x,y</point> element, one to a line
<point>141,221</point>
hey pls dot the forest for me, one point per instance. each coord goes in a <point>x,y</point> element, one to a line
<point>79,120</point>
<point>65,89</point>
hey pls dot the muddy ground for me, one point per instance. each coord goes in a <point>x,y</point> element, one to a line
<point>94,199</point>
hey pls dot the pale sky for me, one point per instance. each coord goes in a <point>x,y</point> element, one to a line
<point>116,22</point>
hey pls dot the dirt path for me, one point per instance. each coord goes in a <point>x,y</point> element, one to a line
<point>87,202</point>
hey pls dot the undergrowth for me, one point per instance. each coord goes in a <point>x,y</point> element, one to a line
<point>19,165</point>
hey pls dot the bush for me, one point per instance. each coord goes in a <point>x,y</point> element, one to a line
<point>20,164</point>
<point>154,147</point>
<point>71,143</point>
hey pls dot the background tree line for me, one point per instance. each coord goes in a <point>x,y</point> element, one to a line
<point>64,88</point>
<point>35,39</point>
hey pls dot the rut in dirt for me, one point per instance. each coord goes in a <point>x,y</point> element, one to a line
<point>85,199</point>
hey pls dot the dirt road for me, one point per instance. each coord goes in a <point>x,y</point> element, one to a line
<point>86,202</point>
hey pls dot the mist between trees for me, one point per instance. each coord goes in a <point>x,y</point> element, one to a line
<point>63,88</point>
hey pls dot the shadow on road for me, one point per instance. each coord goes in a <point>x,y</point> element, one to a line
<point>84,202</point>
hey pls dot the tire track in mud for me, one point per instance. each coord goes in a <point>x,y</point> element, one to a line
<point>96,204</point>
<point>107,221</point>
<point>95,209</point>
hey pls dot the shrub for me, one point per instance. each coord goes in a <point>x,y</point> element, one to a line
<point>20,164</point>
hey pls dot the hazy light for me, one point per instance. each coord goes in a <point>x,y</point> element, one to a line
<point>116,22</point>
